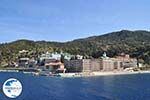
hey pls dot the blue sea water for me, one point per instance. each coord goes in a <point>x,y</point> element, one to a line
<point>124,87</point>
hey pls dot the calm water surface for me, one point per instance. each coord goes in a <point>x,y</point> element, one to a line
<point>124,87</point>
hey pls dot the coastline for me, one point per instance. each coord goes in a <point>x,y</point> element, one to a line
<point>101,73</point>
<point>82,74</point>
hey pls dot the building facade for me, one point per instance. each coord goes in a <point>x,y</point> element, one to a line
<point>83,65</point>
<point>103,64</point>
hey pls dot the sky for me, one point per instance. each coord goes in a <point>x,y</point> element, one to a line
<point>66,20</point>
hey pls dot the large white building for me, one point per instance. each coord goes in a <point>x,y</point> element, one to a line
<point>48,55</point>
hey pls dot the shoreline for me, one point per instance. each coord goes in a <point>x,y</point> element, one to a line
<point>83,74</point>
<point>101,74</point>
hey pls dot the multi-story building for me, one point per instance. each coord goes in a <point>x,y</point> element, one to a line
<point>23,62</point>
<point>48,55</point>
<point>103,64</point>
<point>52,61</point>
<point>27,63</point>
<point>73,65</point>
<point>55,66</point>
<point>83,65</point>
<point>126,61</point>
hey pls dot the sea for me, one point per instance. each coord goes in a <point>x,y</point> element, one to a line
<point>119,87</point>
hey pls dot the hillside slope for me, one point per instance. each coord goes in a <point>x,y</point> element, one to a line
<point>136,43</point>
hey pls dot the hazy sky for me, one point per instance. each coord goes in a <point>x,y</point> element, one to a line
<point>63,20</point>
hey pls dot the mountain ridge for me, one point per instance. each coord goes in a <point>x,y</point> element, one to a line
<point>136,43</point>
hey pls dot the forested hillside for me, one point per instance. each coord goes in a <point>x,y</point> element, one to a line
<point>135,43</point>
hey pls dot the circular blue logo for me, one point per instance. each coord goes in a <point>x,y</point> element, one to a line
<point>12,88</point>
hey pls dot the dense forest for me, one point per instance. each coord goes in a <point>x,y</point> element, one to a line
<point>135,43</point>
